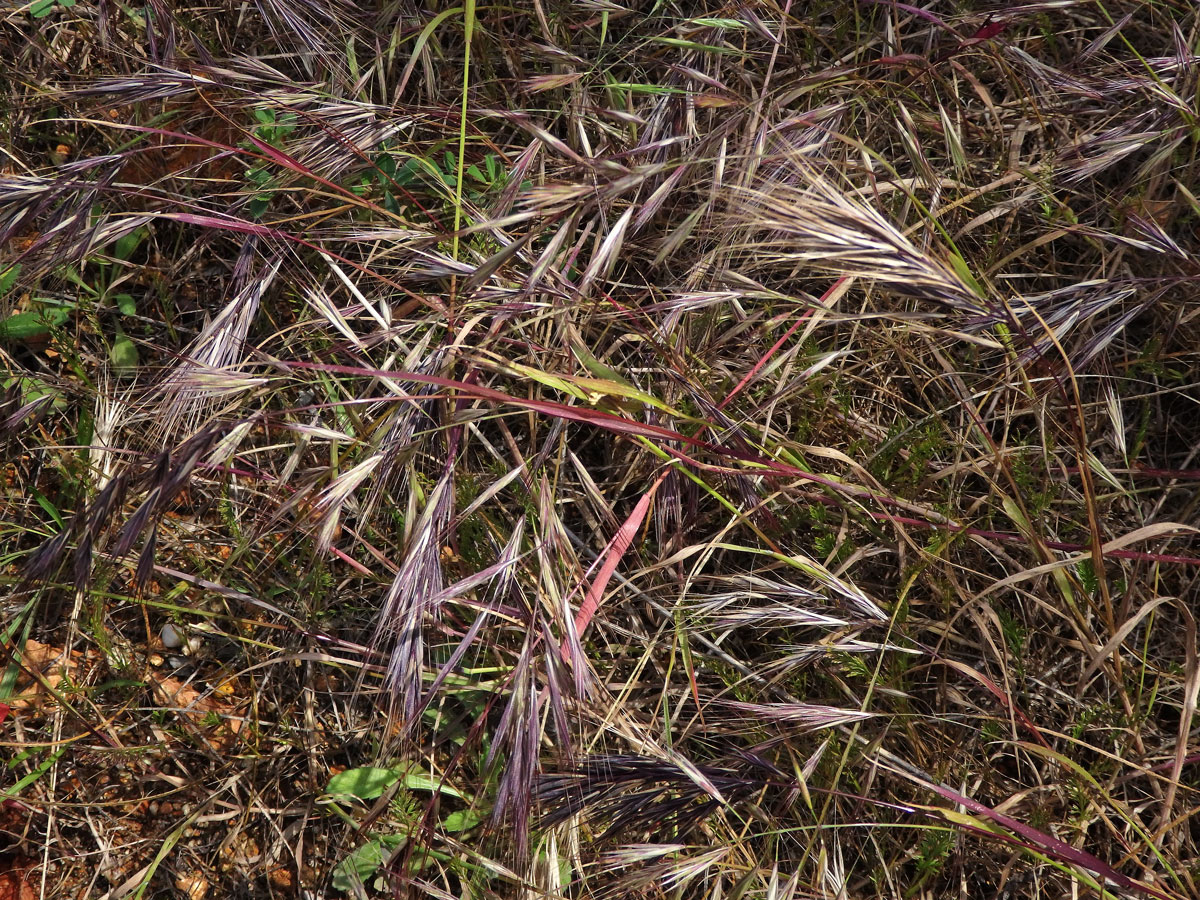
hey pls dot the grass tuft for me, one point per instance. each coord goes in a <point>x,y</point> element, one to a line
<point>599,450</point>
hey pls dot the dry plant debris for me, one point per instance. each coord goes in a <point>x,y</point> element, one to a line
<point>599,449</point>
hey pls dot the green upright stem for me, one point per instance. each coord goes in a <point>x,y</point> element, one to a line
<point>468,31</point>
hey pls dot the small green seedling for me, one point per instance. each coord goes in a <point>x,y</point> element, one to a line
<point>38,321</point>
<point>370,783</point>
